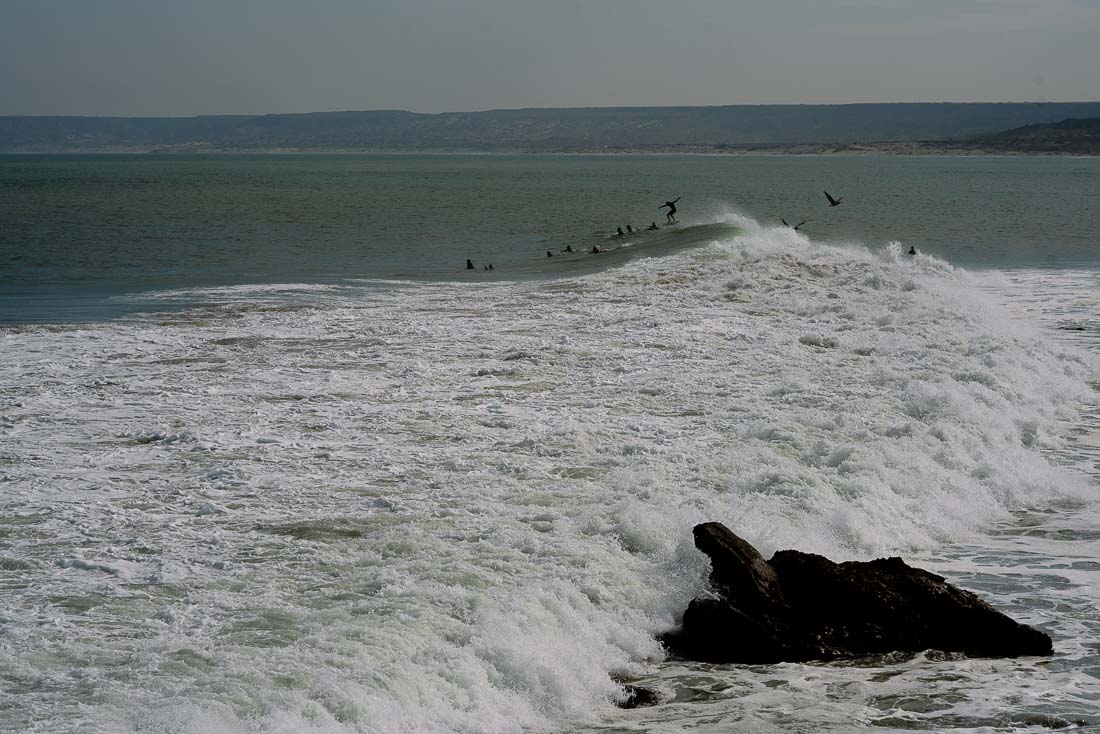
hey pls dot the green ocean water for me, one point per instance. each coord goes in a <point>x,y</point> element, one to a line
<point>466,503</point>
<point>82,237</point>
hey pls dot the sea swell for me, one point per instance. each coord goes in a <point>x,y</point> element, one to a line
<point>462,506</point>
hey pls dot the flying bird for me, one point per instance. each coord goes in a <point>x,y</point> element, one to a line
<point>832,201</point>
<point>795,227</point>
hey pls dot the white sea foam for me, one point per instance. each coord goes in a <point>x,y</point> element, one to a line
<point>461,507</point>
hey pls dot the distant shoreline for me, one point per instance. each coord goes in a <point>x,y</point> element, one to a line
<point>869,149</point>
<point>888,128</point>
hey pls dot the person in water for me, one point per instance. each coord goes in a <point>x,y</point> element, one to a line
<point>549,254</point>
<point>568,248</point>
<point>652,225</point>
<point>619,232</point>
<point>490,266</point>
<point>596,249</point>
<point>470,264</point>
<point>629,229</point>
<point>912,250</point>
<point>671,209</point>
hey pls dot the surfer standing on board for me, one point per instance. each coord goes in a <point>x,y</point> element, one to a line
<point>671,209</point>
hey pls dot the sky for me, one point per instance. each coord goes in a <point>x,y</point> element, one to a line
<point>199,57</point>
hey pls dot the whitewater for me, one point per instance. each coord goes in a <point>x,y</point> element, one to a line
<point>467,506</point>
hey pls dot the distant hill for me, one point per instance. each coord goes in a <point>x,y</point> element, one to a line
<point>596,129</point>
<point>1075,135</point>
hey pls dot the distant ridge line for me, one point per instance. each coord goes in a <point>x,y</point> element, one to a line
<point>543,109</point>
<point>538,129</point>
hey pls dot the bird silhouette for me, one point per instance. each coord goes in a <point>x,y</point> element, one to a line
<point>832,201</point>
<point>795,227</point>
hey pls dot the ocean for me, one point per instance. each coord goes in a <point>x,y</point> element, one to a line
<point>273,460</point>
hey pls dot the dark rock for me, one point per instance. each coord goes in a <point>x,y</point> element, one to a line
<point>637,697</point>
<point>800,606</point>
<point>743,573</point>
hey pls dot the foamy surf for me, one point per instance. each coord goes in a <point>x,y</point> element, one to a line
<point>463,507</point>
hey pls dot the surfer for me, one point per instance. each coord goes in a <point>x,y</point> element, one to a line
<point>619,232</point>
<point>549,254</point>
<point>568,248</point>
<point>629,229</point>
<point>596,249</point>
<point>652,225</point>
<point>671,209</point>
<point>912,250</point>
<point>470,264</point>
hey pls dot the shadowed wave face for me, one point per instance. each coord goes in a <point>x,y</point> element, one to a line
<point>616,250</point>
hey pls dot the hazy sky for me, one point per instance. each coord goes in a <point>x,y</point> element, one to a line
<point>189,57</point>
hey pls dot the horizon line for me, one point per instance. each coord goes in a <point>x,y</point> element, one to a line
<point>109,116</point>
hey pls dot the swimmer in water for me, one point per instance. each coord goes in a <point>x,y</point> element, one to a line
<point>596,249</point>
<point>652,225</point>
<point>470,264</point>
<point>619,232</point>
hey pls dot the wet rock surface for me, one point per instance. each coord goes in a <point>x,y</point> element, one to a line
<point>801,606</point>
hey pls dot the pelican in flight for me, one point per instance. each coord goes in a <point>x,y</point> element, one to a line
<point>795,227</point>
<point>832,201</point>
